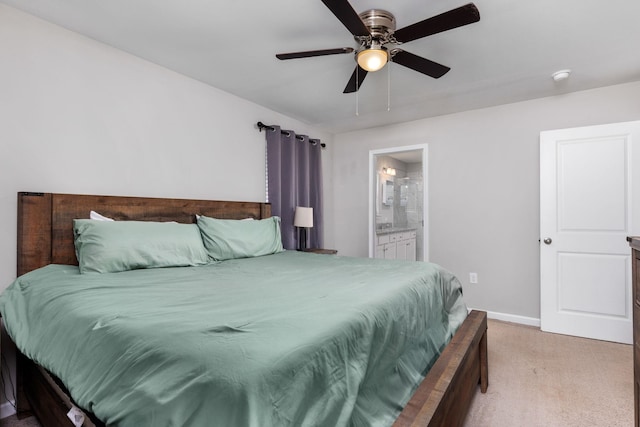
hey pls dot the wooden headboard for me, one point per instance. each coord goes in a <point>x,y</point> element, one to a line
<point>45,220</point>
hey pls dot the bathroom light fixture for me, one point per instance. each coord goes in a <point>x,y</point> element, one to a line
<point>561,75</point>
<point>373,58</point>
<point>389,171</point>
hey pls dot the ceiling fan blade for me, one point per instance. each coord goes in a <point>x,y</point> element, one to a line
<point>349,18</point>
<point>454,18</point>
<point>420,64</point>
<point>310,53</point>
<point>355,82</point>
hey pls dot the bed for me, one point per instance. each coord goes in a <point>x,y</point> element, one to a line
<point>45,236</point>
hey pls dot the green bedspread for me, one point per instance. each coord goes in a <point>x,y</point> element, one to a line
<point>293,338</point>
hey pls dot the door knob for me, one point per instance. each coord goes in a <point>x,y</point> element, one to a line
<point>547,241</point>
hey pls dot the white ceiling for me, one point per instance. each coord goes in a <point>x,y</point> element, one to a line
<point>508,56</point>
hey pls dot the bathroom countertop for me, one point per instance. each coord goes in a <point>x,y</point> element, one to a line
<point>393,230</point>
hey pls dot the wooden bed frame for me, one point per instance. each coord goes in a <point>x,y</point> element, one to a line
<point>45,237</point>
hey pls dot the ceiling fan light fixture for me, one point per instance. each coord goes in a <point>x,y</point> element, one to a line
<point>373,58</point>
<point>378,41</point>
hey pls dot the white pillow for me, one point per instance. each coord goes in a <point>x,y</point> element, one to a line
<point>243,219</point>
<point>95,215</point>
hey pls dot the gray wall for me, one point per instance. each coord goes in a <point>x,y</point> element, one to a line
<point>77,116</point>
<point>483,178</point>
<point>81,117</point>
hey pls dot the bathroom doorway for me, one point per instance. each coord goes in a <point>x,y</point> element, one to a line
<point>398,226</point>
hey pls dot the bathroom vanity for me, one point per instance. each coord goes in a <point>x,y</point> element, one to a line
<point>396,244</point>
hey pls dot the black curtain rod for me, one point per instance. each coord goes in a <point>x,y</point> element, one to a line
<point>299,138</point>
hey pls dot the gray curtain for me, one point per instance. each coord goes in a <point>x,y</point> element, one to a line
<point>294,165</point>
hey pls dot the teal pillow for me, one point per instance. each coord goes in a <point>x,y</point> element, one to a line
<point>232,238</point>
<point>111,246</point>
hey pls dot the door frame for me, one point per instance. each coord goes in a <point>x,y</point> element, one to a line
<point>373,192</point>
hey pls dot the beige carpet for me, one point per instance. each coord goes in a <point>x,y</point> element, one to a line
<point>12,421</point>
<point>537,379</point>
<point>542,379</point>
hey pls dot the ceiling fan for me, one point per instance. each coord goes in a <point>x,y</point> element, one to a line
<point>375,32</point>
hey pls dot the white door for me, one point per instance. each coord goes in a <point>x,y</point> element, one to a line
<point>589,204</point>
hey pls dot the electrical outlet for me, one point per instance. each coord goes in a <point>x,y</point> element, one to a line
<point>473,277</point>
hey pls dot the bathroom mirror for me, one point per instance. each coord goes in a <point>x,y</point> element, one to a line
<point>387,192</point>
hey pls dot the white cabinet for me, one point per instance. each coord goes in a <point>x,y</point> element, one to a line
<point>386,246</point>
<point>401,249</point>
<point>397,245</point>
<point>406,245</point>
<point>411,249</point>
<point>390,251</point>
<point>379,251</point>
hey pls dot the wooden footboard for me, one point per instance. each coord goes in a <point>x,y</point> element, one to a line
<point>45,237</point>
<point>46,398</point>
<point>444,396</point>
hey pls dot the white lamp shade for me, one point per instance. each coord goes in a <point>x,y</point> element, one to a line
<point>372,59</point>
<point>303,217</point>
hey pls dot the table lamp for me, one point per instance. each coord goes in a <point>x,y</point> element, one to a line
<point>303,219</point>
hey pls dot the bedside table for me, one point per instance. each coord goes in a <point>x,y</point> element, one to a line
<point>321,251</point>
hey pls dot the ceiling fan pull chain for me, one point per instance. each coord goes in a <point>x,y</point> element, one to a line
<point>357,99</point>
<point>388,88</point>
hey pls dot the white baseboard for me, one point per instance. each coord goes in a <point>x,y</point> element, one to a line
<point>513,318</point>
<point>6,410</point>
